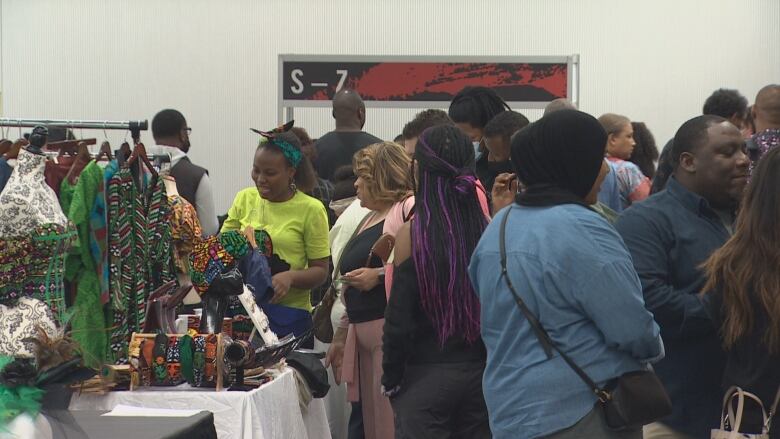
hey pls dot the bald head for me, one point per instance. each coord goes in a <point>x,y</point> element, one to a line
<point>349,111</point>
<point>558,105</point>
<point>766,110</point>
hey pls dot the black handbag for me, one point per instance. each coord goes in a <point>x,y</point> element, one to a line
<point>629,401</point>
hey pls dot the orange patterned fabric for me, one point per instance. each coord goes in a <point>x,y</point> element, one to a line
<point>185,230</point>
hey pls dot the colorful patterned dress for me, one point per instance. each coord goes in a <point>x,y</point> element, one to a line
<point>140,253</point>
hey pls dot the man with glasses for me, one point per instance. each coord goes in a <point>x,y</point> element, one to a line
<point>172,138</point>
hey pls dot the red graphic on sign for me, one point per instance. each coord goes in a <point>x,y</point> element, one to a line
<point>416,81</point>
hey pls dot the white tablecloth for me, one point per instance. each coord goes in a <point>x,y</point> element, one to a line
<point>269,412</point>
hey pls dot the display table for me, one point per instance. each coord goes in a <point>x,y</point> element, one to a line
<point>269,412</point>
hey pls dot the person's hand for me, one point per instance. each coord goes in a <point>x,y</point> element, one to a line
<point>335,356</point>
<point>364,279</point>
<point>504,191</point>
<point>281,283</point>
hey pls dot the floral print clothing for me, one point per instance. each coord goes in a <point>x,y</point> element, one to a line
<point>634,186</point>
<point>763,142</point>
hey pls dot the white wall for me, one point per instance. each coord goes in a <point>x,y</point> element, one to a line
<point>216,61</point>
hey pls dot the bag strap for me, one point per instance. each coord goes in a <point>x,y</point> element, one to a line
<point>407,216</point>
<point>544,339</point>
<point>772,410</point>
<point>337,265</point>
<point>735,419</point>
<point>725,412</point>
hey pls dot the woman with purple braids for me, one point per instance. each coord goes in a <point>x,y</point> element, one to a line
<point>433,354</point>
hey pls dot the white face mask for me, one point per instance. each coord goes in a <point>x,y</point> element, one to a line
<point>476,148</point>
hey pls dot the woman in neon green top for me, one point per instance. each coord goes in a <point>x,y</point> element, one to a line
<point>296,222</point>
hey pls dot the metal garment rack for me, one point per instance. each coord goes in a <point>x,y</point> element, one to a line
<point>134,126</point>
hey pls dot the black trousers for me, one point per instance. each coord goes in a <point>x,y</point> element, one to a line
<point>441,400</point>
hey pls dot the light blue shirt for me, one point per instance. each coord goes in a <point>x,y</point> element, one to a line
<point>575,274</point>
<point>609,193</point>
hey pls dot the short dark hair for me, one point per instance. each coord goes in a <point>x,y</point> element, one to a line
<point>692,134</point>
<point>505,124</point>
<point>726,103</point>
<point>399,138</point>
<point>424,120</point>
<point>476,106</point>
<point>344,183</point>
<point>167,123</point>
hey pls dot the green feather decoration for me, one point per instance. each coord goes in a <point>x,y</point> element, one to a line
<point>17,400</point>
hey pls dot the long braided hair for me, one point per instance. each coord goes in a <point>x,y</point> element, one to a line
<point>447,226</point>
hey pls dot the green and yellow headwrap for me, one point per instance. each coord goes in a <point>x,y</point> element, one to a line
<point>291,153</point>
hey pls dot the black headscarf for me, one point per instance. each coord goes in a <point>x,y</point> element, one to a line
<point>558,158</point>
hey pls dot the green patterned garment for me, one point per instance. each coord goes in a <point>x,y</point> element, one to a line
<point>88,325</point>
<point>140,254</point>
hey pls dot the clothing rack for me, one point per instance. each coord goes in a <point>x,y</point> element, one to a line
<point>134,126</point>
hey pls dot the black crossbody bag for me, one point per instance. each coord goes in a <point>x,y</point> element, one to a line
<point>629,401</point>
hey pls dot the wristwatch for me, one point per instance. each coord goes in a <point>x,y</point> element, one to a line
<point>389,393</point>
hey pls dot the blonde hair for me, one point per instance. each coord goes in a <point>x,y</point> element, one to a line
<point>386,168</point>
<point>613,123</point>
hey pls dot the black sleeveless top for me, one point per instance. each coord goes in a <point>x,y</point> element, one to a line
<point>363,306</point>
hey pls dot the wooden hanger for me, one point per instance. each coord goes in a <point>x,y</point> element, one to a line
<point>15,148</point>
<point>70,147</point>
<point>82,160</point>
<point>5,145</point>
<point>139,152</point>
<point>124,153</point>
<point>105,151</point>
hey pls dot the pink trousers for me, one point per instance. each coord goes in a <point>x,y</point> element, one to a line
<point>362,371</point>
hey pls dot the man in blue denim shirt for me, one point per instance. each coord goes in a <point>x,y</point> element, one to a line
<point>669,235</point>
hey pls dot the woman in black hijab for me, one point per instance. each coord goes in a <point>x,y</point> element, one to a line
<point>575,275</point>
<point>560,160</point>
